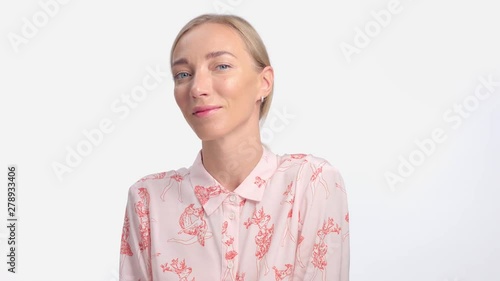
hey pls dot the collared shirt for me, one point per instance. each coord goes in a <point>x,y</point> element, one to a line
<point>288,220</point>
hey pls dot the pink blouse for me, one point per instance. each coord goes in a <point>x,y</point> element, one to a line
<point>288,220</point>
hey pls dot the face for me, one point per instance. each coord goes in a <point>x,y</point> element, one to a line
<point>217,84</point>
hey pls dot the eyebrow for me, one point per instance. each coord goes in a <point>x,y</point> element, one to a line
<point>210,55</point>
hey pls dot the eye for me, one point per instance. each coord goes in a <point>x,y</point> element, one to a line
<point>223,66</point>
<point>181,75</point>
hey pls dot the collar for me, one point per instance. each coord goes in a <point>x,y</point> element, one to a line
<point>211,193</point>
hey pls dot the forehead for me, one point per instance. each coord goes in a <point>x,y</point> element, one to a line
<point>209,37</point>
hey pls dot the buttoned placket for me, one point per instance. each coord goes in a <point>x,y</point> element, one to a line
<point>231,213</point>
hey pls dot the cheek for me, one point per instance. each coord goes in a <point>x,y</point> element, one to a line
<point>226,86</point>
<point>234,87</point>
<point>177,99</point>
<point>181,98</point>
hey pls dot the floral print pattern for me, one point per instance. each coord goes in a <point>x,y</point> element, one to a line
<point>288,220</point>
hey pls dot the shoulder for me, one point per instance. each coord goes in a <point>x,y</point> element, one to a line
<point>319,186</point>
<point>314,162</point>
<point>310,170</point>
<point>150,181</point>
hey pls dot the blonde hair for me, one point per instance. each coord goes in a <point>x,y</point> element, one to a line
<point>250,37</point>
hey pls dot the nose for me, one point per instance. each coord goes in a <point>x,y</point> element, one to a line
<point>201,84</point>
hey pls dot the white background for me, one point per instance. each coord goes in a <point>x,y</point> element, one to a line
<point>361,112</point>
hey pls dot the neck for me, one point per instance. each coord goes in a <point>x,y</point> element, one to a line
<point>231,159</point>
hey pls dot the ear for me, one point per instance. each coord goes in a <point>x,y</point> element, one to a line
<point>266,81</point>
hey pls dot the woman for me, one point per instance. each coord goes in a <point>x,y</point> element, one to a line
<point>240,212</point>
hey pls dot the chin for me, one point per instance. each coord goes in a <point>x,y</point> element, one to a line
<point>209,133</point>
<point>208,136</point>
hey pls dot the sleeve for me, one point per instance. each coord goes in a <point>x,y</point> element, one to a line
<point>323,248</point>
<point>135,254</point>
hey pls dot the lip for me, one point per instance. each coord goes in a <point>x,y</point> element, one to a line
<point>205,110</point>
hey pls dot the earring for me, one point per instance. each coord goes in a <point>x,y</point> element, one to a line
<point>262,99</point>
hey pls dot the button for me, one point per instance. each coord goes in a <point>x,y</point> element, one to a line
<point>231,215</point>
<point>232,198</point>
<point>230,264</point>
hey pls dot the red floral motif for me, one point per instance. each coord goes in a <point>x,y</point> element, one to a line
<point>281,274</point>
<point>299,255</point>
<point>240,277</point>
<point>289,198</point>
<point>263,237</point>
<point>142,210</point>
<point>320,247</point>
<point>180,269</point>
<point>204,194</point>
<point>231,253</point>
<point>317,178</point>
<point>175,179</point>
<point>289,162</point>
<point>301,238</point>
<point>298,155</point>
<point>157,176</point>
<point>125,246</point>
<point>242,202</point>
<point>259,181</point>
<point>299,241</point>
<point>347,233</point>
<point>192,222</point>
<point>316,173</point>
<point>229,242</point>
<point>224,227</point>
